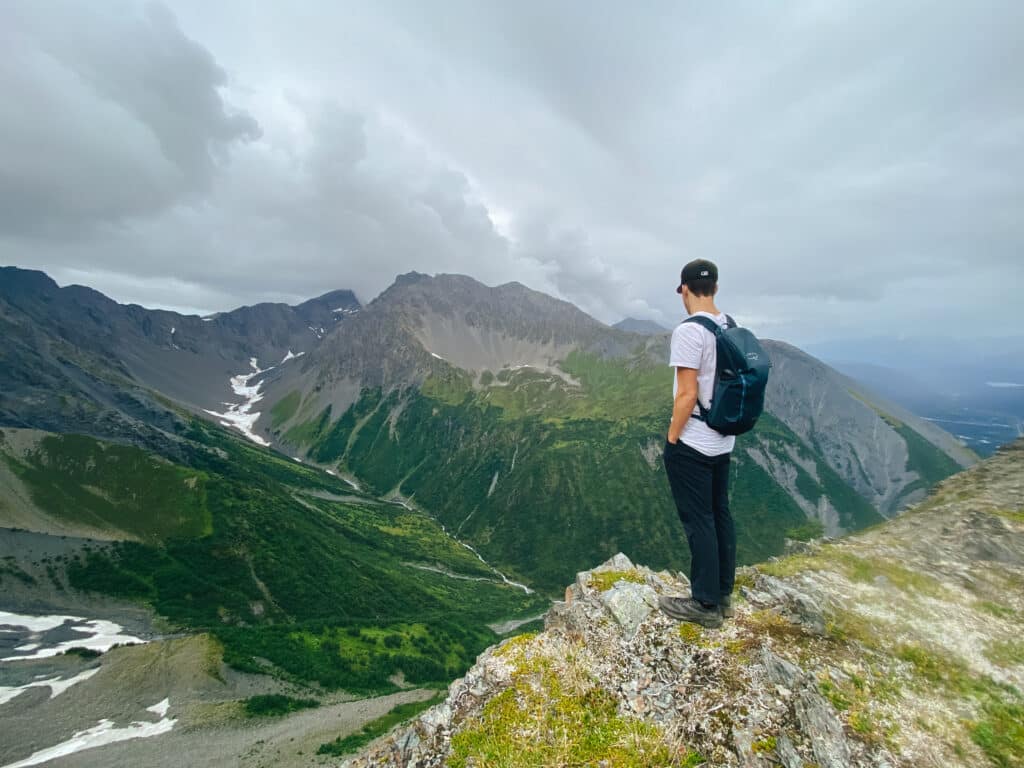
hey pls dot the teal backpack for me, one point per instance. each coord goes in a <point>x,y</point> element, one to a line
<point>741,377</point>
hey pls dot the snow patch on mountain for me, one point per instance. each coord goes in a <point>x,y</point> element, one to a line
<point>56,685</point>
<point>95,634</point>
<point>101,734</point>
<point>240,415</point>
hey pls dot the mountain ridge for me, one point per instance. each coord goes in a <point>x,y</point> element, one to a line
<point>480,402</point>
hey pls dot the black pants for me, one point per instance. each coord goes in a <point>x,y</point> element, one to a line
<point>700,487</point>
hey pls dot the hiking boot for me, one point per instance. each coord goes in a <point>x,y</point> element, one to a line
<point>688,609</point>
<point>725,605</point>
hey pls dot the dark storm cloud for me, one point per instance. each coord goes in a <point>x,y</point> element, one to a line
<point>109,112</point>
<point>847,164</point>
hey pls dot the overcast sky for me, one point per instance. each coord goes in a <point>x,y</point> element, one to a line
<point>853,168</point>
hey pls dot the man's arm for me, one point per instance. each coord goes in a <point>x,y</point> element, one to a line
<point>686,398</point>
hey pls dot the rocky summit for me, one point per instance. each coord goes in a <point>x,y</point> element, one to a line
<point>899,646</point>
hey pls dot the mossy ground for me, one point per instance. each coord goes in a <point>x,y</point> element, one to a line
<point>870,569</point>
<point>602,581</point>
<point>555,714</point>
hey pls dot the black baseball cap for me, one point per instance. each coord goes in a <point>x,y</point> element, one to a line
<point>698,269</point>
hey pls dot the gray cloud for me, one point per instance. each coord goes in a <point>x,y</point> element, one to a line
<point>848,165</point>
<point>109,113</point>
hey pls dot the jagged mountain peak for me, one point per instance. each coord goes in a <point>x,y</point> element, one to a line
<point>509,304</point>
<point>454,318</point>
<point>840,655</point>
<point>335,298</point>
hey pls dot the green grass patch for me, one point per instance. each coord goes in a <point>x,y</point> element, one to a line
<point>344,745</point>
<point>1016,516</point>
<point>812,529</point>
<point>858,696</point>
<point>115,487</point>
<point>515,644</point>
<point>285,408</point>
<point>691,633</point>
<point>995,609</point>
<point>275,705</point>
<point>1005,653</point>
<point>602,581</point>
<point>1000,733</point>
<point>868,570</point>
<point>544,718</point>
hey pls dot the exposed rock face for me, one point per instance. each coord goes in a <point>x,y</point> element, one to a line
<point>422,323</point>
<point>829,411</point>
<point>897,647</point>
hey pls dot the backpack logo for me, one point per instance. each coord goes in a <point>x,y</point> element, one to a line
<point>752,356</point>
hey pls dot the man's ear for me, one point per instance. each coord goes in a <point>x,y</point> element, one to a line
<point>715,291</point>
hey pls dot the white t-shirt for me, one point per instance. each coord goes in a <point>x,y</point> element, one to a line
<point>693,346</point>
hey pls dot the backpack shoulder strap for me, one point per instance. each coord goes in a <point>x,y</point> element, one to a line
<point>705,322</point>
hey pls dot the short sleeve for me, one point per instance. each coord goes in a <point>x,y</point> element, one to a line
<point>687,346</point>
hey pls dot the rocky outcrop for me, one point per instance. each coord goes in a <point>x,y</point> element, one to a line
<point>897,647</point>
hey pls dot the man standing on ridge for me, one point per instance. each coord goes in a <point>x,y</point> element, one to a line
<point>696,457</point>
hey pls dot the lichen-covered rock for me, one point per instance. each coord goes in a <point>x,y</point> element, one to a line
<point>629,604</point>
<point>818,720</point>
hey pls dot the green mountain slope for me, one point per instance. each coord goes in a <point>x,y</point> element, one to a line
<point>91,486</point>
<point>545,478</point>
<point>282,562</point>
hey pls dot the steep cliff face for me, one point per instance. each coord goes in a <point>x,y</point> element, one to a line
<point>899,646</point>
<point>887,455</point>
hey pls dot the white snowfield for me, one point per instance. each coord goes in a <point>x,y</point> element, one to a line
<point>104,732</point>
<point>240,415</point>
<point>101,635</point>
<point>290,356</point>
<point>56,685</point>
<point>160,708</point>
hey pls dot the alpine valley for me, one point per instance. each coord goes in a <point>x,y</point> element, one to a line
<point>294,519</point>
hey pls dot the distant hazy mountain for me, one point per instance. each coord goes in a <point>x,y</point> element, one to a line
<point>973,388</point>
<point>951,365</point>
<point>633,325</point>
